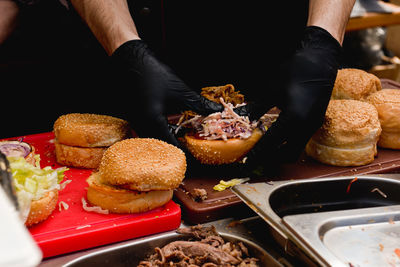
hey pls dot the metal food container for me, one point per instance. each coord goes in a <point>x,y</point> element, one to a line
<point>337,221</point>
<point>130,253</point>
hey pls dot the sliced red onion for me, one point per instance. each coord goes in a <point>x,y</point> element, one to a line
<point>15,148</point>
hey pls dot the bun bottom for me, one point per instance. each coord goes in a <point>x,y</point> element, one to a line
<point>30,158</point>
<point>217,152</point>
<point>341,156</point>
<point>81,157</point>
<point>42,208</point>
<point>119,200</point>
<point>389,140</point>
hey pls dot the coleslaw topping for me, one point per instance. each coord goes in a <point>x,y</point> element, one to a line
<point>221,125</point>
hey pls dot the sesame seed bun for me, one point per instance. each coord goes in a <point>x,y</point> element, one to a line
<point>136,175</point>
<point>355,84</point>
<point>217,152</point>
<point>80,157</point>
<point>387,103</point>
<point>348,136</point>
<point>90,130</point>
<point>143,164</point>
<point>42,208</point>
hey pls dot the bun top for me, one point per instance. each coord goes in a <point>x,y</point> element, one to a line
<point>349,124</point>
<point>90,130</point>
<point>387,102</point>
<point>355,84</point>
<point>385,96</point>
<point>143,164</point>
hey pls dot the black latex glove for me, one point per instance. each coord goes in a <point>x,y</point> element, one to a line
<point>154,90</point>
<point>303,100</point>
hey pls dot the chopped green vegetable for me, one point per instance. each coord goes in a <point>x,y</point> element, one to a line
<point>226,184</point>
<point>32,182</point>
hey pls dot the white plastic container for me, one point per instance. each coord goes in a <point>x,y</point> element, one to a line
<point>17,247</point>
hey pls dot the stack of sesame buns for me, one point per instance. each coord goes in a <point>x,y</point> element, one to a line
<point>355,84</point>
<point>136,175</point>
<point>81,138</point>
<point>387,103</point>
<point>348,136</point>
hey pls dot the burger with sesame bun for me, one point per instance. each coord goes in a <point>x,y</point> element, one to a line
<point>355,84</point>
<point>136,175</point>
<point>82,138</point>
<point>387,103</point>
<point>348,136</point>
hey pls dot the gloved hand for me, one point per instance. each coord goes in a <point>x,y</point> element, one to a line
<point>154,89</point>
<point>303,99</point>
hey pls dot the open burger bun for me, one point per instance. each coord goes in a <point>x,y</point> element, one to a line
<point>136,175</point>
<point>221,137</point>
<point>387,103</point>
<point>90,130</point>
<point>80,157</point>
<point>348,136</point>
<point>42,208</point>
<point>355,84</point>
<point>217,152</point>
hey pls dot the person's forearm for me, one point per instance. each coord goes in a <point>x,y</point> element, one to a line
<point>332,15</point>
<point>8,18</point>
<point>109,20</point>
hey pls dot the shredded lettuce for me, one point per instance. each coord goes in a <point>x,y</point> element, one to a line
<point>226,184</point>
<point>32,182</point>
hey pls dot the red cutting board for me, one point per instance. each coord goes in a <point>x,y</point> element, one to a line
<point>75,229</point>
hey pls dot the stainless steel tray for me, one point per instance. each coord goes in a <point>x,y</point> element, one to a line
<point>337,221</point>
<point>130,253</point>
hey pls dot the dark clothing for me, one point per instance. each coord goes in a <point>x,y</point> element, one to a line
<point>50,65</point>
<point>218,42</point>
<point>55,61</point>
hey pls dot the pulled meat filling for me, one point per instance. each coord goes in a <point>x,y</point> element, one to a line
<point>227,92</point>
<point>207,249</point>
<point>221,125</point>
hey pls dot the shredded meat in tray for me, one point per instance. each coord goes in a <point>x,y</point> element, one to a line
<point>205,248</point>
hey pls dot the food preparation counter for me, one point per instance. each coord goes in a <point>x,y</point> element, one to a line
<point>300,222</point>
<point>223,204</point>
<point>74,237</point>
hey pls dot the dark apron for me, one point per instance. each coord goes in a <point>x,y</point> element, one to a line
<point>217,42</point>
<point>205,42</point>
